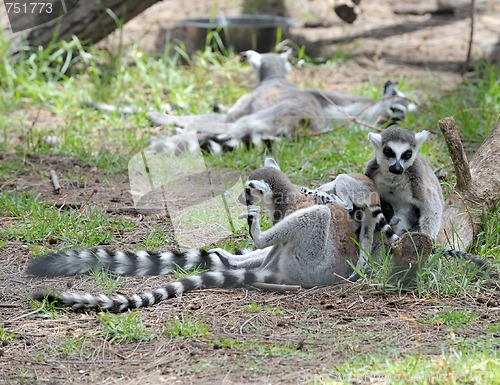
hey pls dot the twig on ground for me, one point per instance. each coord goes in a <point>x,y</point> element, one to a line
<point>55,182</point>
<point>6,322</point>
<point>276,287</point>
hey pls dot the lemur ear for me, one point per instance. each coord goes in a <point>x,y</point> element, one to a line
<point>375,139</point>
<point>286,56</point>
<point>270,162</point>
<point>420,137</point>
<point>389,89</point>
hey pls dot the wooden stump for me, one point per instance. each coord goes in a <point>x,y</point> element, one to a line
<point>410,253</point>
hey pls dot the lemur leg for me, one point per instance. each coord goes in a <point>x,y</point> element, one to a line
<point>314,220</point>
<point>431,217</point>
<point>242,107</point>
<point>193,122</point>
<point>367,230</point>
<point>323,197</point>
<point>249,260</point>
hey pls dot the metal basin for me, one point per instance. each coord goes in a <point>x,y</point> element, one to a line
<point>257,32</point>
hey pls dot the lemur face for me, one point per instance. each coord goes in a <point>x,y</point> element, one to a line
<point>397,148</point>
<point>399,156</point>
<point>399,104</point>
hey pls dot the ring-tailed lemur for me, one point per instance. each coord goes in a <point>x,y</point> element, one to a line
<point>357,194</point>
<point>393,106</point>
<point>408,188</point>
<point>410,193</point>
<point>277,108</point>
<point>402,189</point>
<point>308,245</point>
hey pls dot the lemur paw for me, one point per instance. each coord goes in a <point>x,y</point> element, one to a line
<point>322,198</point>
<point>252,212</point>
<point>394,221</point>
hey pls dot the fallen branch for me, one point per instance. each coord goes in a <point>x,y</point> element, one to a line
<point>276,287</point>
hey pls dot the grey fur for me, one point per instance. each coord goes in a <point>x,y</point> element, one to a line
<point>408,186</point>
<point>285,255</point>
<point>358,194</point>
<point>277,108</point>
<point>410,192</point>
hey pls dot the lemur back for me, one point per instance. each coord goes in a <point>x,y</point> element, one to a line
<point>357,194</point>
<point>308,245</point>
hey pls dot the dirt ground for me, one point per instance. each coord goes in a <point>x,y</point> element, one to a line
<point>295,337</point>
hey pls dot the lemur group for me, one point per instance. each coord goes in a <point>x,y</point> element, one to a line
<point>319,236</point>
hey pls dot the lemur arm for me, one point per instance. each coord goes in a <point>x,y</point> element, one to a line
<point>313,222</point>
<point>430,219</point>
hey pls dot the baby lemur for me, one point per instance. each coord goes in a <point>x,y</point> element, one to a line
<point>308,245</point>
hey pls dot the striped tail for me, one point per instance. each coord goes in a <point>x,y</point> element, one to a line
<point>217,144</point>
<point>382,225</point>
<point>119,303</point>
<point>122,262</point>
<point>481,263</point>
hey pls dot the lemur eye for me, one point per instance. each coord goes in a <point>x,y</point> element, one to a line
<point>407,155</point>
<point>389,153</point>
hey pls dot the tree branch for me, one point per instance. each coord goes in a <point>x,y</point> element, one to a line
<point>459,158</point>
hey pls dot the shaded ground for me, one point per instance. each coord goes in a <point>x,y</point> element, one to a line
<point>254,337</point>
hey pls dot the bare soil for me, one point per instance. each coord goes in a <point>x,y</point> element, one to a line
<point>295,337</point>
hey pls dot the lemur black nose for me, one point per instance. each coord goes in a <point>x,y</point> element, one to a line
<point>396,168</point>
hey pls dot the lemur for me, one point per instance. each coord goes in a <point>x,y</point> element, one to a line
<point>410,193</point>
<point>308,245</point>
<point>357,194</point>
<point>408,188</point>
<point>277,108</point>
<point>399,186</point>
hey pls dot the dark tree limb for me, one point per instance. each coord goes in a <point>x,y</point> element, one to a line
<point>90,21</point>
<point>477,190</point>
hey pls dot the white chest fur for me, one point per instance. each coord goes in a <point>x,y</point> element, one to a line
<point>396,190</point>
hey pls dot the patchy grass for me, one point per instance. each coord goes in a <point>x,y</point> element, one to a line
<point>186,327</point>
<point>124,327</point>
<point>40,224</point>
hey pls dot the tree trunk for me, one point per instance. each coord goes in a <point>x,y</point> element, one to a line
<point>477,190</point>
<point>89,20</point>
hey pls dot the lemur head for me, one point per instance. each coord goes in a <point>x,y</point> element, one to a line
<point>397,148</point>
<point>269,188</point>
<point>398,105</point>
<point>268,65</point>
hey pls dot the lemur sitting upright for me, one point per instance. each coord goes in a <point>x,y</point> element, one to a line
<point>408,188</point>
<point>399,187</point>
